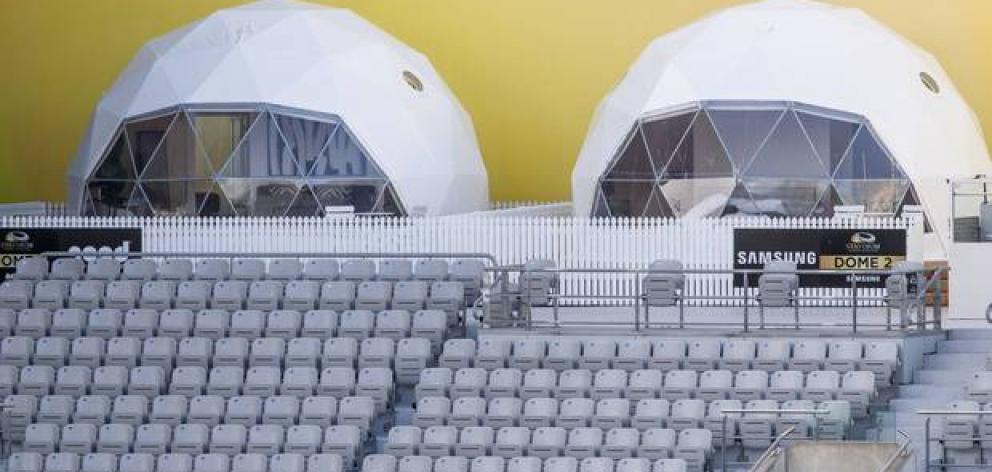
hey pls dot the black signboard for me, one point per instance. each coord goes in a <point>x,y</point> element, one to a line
<point>810,249</point>
<point>17,243</point>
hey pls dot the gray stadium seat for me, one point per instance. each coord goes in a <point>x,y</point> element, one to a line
<point>86,294</point>
<point>51,351</point>
<point>632,354</point>
<point>575,412</point>
<point>67,268</point>
<point>115,438</point>
<point>99,462</point>
<point>301,295</point>
<point>303,439</point>
<point>212,269</point>
<point>858,388</point>
<point>528,353</point>
<point>773,354</point>
<point>412,356</point>
<point>670,465</point>
<point>409,295</point>
<point>225,381</point>
<point>403,441</point>
<point>469,273</point>
<point>319,411</point>
<point>487,464</point>
<point>320,324</point>
<point>457,353</point>
<point>687,414</point>
<point>583,443</point>
<point>357,411</point>
<point>228,439</point>
<point>206,409</point>
<point>231,352</point>
<point>475,441</point>
<point>193,294</point>
<point>103,268</point>
<point>158,294</point>
<point>777,286</point>
<point>129,409</point>
<point>283,410</point>
<point>431,411</point>
<point>750,385</point>
<point>25,462</point>
<point>37,380</point>
<point>340,352</point>
<point>808,355</point>
<point>434,382</point>
<point>247,324</point>
<point>283,324</point>
<point>620,443</point>
<point>644,383</point>
<point>8,379</point>
<point>265,439</point>
<point>190,439</point>
<point>703,354</point>
<point>262,381</point>
<point>608,383</point>
<point>662,286</point>
<point>87,351</point>
<point>451,464</point>
<point>611,413</point>
<point>492,353</point>
<point>303,352</point>
<point>194,352</point>
<point>228,295</point>
<point>715,385</point>
<point>16,294</point>
<point>122,294</point>
<point>574,383</point>
<point>757,427</point>
<point>109,380</point>
<point>395,270</point>
<point>680,384</point>
<point>247,269</point>
<point>657,443</point>
<point>337,382</point>
<point>539,412</point>
<point>175,269</point>
<point>357,324</point>
<point>42,438</point>
<point>448,297</point>
<point>299,382</point>
<point>146,380</point>
<point>373,295</point>
<point>358,270</point>
<point>321,269</point>
<point>244,410</point>
<point>139,270</point>
<point>843,356</point>
<point>176,324</point>
<point>55,409</point>
<point>169,409</point>
<point>264,295</point>
<point>822,385</point>
<point>376,383</point>
<point>563,354</point>
<point>881,358</point>
<point>785,385</point>
<point>439,441</point>
<point>31,268</point>
<point>538,383</point>
<point>467,411</point>
<point>469,382</point>
<point>667,354</point>
<point>284,269</point>
<point>188,381</point>
<point>211,463</point>
<point>16,350</point>
<point>393,324</point>
<point>62,462</point>
<point>250,463</point>
<point>174,462</point>
<point>343,440</point>
<point>503,412</point>
<point>738,355</point>
<point>504,383</point>
<point>430,270</point>
<point>287,462</point>
<point>50,294</point>
<point>79,438</point>
<point>694,447</point>
<point>376,352</point>
<point>159,351</point>
<point>33,323</point>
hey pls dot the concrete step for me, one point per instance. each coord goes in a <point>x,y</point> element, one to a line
<point>964,346</point>
<point>936,392</point>
<point>957,361</point>
<point>962,334</point>
<point>943,377</point>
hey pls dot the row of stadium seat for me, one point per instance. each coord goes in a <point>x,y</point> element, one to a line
<point>173,410</point>
<point>214,324</point>
<point>143,462</point>
<point>191,381</point>
<point>232,295</point>
<point>672,354</point>
<point>610,413</point>
<point>470,271</point>
<point>857,387</point>
<point>411,354</point>
<point>477,441</point>
<point>387,463</point>
<point>193,439</point>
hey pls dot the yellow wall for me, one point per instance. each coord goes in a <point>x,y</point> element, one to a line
<point>529,71</point>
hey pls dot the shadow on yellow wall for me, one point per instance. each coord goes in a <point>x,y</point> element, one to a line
<point>530,72</point>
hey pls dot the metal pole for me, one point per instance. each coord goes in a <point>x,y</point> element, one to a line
<point>854,303</point>
<point>926,444</point>
<point>746,288</point>
<point>723,443</point>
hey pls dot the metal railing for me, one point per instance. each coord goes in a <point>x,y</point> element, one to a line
<point>748,297</point>
<point>814,428</point>
<point>929,439</point>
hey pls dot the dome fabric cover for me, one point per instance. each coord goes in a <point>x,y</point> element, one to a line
<point>327,61</point>
<point>806,52</point>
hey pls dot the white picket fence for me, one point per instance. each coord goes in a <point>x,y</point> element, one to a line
<point>619,243</point>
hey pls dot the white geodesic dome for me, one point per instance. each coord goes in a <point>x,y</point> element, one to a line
<point>796,61</point>
<point>278,107</point>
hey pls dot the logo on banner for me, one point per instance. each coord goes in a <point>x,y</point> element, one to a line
<point>16,241</point>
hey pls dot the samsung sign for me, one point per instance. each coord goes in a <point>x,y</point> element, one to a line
<point>18,243</point>
<point>810,249</point>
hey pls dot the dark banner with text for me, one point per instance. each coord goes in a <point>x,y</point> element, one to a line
<point>17,243</point>
<point>833,249</point>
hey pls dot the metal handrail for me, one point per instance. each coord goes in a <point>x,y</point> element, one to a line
<point>772,449</point>
<point>900,452</point>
